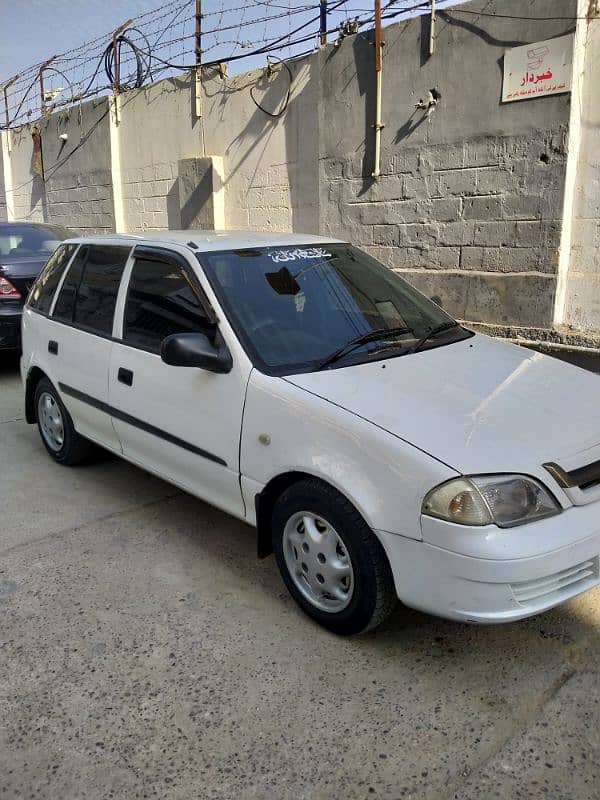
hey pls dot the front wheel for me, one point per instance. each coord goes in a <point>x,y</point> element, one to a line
<point>331,562</point>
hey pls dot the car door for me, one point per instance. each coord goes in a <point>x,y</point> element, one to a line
<point>182,423</point>
<point>79,333</point>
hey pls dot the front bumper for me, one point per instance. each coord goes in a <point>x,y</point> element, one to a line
<point>499,589</point>
<point>10,328</point>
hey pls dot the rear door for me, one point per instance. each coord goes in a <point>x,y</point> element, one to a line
<point>182,423</point>
<point>79,334</point>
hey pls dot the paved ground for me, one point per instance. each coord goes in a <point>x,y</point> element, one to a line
<point>145,652</point>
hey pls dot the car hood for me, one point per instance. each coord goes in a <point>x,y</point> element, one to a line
<point>479,405</point>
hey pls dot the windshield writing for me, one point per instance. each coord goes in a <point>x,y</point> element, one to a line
<point>293,307</point>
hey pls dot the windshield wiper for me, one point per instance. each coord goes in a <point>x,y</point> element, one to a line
<point>445,326</point>
<point>364,338</point>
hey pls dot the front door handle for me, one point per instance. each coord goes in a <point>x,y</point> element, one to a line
<point>125,376</point>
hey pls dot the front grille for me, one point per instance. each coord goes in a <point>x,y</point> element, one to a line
<point>562,584</point>
<point>581,478</point>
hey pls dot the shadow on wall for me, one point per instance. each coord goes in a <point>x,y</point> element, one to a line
<point>36,168</point>
<point>471,27</point>
<point>38,196</point>
<point>364,58</point>
<point>175,214</point>
<point>272,92</point>
<point>276,144</point>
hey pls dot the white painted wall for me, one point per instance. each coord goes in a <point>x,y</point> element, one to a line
<point>270,164</point>
<point>156,128</point>
<point>582,289</point>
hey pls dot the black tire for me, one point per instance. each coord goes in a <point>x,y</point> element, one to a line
<point>75,448</point>
<point>373,597</point>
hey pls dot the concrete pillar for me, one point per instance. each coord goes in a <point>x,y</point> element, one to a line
<point>115,163</point>
<point>573,148</point>
<point>201,193</point>
<point>7,172</point>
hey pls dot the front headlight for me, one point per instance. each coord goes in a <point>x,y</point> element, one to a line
<point>505,500</point>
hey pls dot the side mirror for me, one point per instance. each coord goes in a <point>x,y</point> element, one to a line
<point>195,350</point>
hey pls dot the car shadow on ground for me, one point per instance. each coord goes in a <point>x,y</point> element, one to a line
<point>570,629</point>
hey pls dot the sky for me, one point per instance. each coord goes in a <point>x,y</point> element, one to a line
<point>33,30</point>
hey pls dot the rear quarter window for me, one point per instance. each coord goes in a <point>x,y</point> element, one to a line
<point>44,287</point>
<point>89,292</point>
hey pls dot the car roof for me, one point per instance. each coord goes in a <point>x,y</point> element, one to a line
<point>206,241</point>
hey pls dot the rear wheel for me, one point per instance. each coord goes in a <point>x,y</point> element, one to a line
<point>55,425</point>
<point>331,562</point>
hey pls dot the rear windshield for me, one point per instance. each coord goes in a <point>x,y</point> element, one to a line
<point>30,241</point>
<point>292,307</point>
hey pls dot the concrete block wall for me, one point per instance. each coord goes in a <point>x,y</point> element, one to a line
<point>3,213</point>
<point>27,199</point>
<point>156,128</point>
<point>476,224</point>
<point>77,190</point>
<point>271,163</point>
<point>146,197</point>
<point>469,203</point>
<point>268,161</point>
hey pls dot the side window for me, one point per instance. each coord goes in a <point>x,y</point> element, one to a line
<point>160,301</point>
<point>43,289</point>
<point>98,289</point>
<point>65,304</point>
<point>89,292</point>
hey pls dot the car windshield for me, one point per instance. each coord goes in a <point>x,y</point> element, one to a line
<point>295,307</point>
<point>30,241</point>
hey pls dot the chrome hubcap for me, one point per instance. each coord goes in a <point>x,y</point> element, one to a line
<point>318,562</point>
<point>51,421</point>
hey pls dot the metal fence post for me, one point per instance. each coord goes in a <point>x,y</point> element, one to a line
<point>198,52</point>
<point>323,21</point>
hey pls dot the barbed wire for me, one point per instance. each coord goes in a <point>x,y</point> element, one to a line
<point>162,41</point>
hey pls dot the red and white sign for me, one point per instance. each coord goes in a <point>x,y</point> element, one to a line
<point>538,69</point>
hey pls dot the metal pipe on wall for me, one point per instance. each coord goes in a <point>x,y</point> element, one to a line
<point>5,89</point>
<point>432,29</point>
<point>116,48</point>
<point>378,126</point>
<point>41,80</point>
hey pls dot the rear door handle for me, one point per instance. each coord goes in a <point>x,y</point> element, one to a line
<point>125,376</point>
<point>53,347</point>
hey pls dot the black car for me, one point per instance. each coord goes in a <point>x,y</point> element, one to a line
<point>24,249</point>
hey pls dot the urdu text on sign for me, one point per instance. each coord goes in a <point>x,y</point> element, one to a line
<point>538,69</point>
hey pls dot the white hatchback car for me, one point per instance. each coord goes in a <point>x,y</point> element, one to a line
<point>381,449</point>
